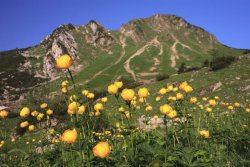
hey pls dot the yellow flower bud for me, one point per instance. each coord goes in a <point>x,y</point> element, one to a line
<point>64,62</point>
<point>25,112</point>
<point>43,105</point>
<point>102,150</point>
<point>143,92</point>
<point>112,89</point>
<point>69,136</point>
<point>204,133</point>
<point>24,124</point>
<point>166,109</point>
<point>119,84</point>
<point>128,94</point>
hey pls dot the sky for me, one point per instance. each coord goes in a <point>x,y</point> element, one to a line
<point>25,23</point>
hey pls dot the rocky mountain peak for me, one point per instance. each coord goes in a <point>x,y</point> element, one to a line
<point>97,35</point>
<point>60,41</point>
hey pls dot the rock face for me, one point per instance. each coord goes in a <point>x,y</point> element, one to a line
<point>98,35</point>
<point>58,43</point>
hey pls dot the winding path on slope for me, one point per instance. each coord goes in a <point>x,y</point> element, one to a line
<point>138,53</point>
<point>174,53</point>
<point>123,43</point>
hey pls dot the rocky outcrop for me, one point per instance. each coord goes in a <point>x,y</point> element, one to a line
<point>58,43</point>
<point>97,35</point>
<point>133,30</point>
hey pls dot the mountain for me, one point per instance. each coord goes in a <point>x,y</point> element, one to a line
<point>140,51</point>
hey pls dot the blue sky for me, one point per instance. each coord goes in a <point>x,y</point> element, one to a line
<point>25,23</point>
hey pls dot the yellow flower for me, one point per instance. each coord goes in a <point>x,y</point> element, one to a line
<point>188,89</point>
<point>204,98</point>
<point>98,107</point>
<point>170,88</point>
<point>182,85</point>
<point>34,113</point>
<point>31,128</point>
<point>175,89</point>
<point>212,102</point>
<point>247,110</point>
<point>230,107</point>
<point>85,92</point>
<point>102,150</point>
<point>138,107</point>
<point>119,84</point>
<point>4,114</point>
<point>25,112</point>
<point>204,133</point>
<point>201,107</point>
<point>142,100</point>
<point>172,114</point>
<point>156,117</point>
<point>143,92</point>
<point>127,114</point>
<point>149,108</point>
<point>97,113</point>
<point>90,95</point>
<point>69,136</point>
<point>107,132</point>
<point>166,109</point>
<point>72,107</point>
<point>172,98</point>
<point>64,62</point>
<point>65,83</point>
<point>24,124</point>
<point>64,89</point>
<point>216,97</point>
<point>40,116</point>
<point>135,98</point>
<point>133,102</point>
<point>1,144</point>
<point>43,105</point>
<point>51,131</point>
<point>121,109</point>
<point>91,113</point>
<point>193,100</point>
<point>128,94</point>
<point>236,104</point>
<point>179,96</point>
<point>162,91</point>
<point>112,89</point>
<point>208,109</point>
<point>157,98</point>
<point>73,98</point>
<point>104,99</point>
<point>117,124</point>
<point>49,112</point>
<point>81,109</point>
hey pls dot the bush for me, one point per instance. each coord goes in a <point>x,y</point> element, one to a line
<point>128,82</point>
<point>182,68</point>
<point>246,52</point>
<point>221,62</point>
<point>162,76</point>
<point>206,63</point>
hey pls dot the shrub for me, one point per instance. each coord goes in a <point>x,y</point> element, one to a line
<point>162,76</point>
<point>181,68</point>
<point>221,62</point>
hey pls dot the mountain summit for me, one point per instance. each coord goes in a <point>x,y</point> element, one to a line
<point>140,50</point>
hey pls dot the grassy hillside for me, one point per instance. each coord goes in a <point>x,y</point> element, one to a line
<point>227,141</point>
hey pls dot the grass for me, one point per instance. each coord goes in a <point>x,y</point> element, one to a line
<point>180,144</point>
